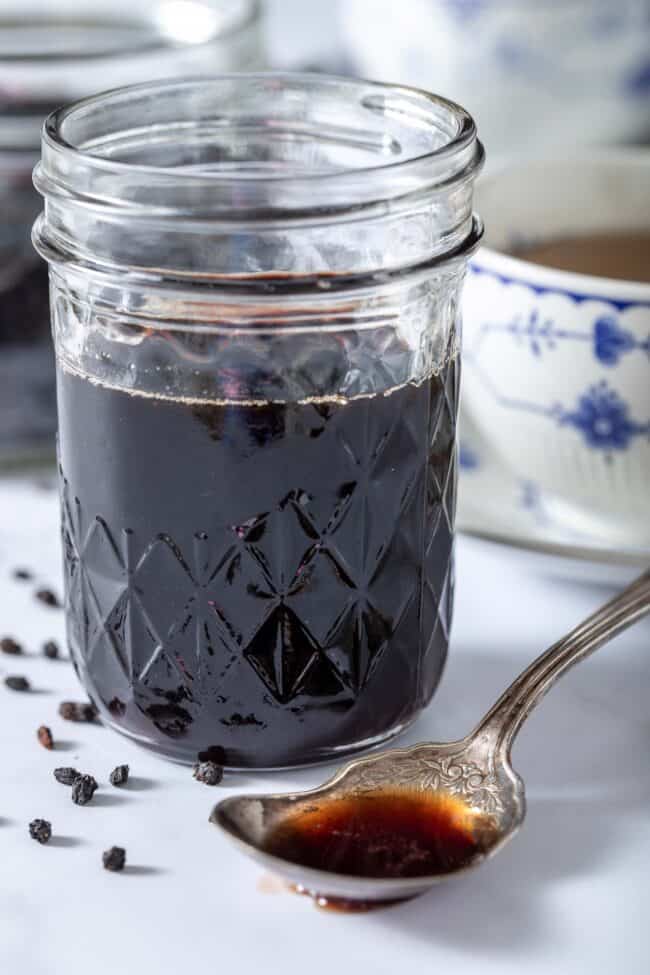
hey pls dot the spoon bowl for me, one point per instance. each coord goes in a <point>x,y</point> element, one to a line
<point>454,768</point>
<point>475,773</point>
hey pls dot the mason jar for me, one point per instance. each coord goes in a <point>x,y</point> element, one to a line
<point>48,57</point>
<point>255,287</point>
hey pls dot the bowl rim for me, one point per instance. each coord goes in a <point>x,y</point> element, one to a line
<point>537,277</point>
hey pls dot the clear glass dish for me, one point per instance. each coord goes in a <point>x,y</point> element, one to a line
<point>48,57</point>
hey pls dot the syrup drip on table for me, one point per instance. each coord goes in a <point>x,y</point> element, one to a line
<point>380,834</point>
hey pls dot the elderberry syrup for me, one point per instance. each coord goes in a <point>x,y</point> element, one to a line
<point>264,575</point>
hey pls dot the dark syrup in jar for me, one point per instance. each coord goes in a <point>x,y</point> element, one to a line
<point>272,579</point>
<point>384,834</point>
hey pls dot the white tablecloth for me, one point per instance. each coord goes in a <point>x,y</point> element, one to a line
<point>565,897</point>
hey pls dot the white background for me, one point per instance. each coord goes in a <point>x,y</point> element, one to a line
<point>301,31</point>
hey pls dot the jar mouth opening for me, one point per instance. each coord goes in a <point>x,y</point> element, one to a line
<point>286,141</point>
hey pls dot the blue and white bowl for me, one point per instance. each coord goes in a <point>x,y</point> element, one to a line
<point>557,364</point>
<point>533,74</point>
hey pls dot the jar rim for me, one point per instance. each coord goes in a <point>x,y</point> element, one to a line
<point>74,168</point>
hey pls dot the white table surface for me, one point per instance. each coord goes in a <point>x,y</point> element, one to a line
<point>569,895</point>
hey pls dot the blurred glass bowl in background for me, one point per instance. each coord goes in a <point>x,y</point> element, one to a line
<point>51,54</point>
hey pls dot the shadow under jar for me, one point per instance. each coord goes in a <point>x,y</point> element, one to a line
<point>52,53</point>
<point>255,284</point>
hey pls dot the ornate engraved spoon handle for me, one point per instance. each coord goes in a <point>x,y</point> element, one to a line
<point>498,729</point>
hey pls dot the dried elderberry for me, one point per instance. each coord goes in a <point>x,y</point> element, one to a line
<point>114,859</point>
<point>83,789</point>
<point>40,830</point>
<point>66,776</point>
<point>44,736</point>
<point>119,775</point>
<point>78,711</point>
<point>208,772</point>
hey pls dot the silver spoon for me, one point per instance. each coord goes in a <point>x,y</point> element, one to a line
<point>477,770</point>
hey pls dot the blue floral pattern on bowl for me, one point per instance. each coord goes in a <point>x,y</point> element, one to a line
<point>465,11</point>
<point>558,380</point>
<point>467,457</point>
<point>603,419</point>
<point>601,415</point>
<point>611,341</point>
<point>494,502</point>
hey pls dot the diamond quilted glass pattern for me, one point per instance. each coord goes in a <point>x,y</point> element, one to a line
<point>282,588</point>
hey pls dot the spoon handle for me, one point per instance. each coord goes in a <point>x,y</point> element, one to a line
<point>503,721</point>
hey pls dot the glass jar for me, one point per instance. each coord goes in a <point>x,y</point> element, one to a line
<point>255,307</point>
<point>46,59</point>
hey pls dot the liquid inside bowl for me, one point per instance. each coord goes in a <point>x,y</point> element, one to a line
<point>618,255</point>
